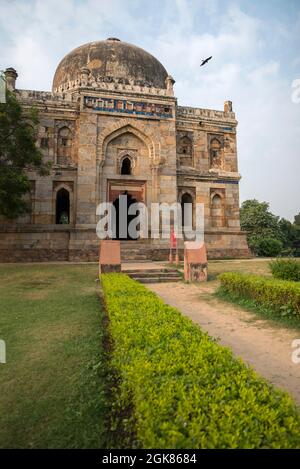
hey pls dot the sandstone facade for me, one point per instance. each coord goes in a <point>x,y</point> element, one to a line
<point>115,128</point>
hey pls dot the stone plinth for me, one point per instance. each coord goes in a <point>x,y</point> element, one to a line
<point>195,262</point>
<point>109,256</point>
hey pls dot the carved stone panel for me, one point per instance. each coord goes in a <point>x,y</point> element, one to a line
<point>64,137</point>
<point>185,150</point>
<point>216,150</point>
<point>217,207</point>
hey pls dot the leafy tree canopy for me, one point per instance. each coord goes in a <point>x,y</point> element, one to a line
<point>267,234</point>
<point>18,153</point>
<point>297,220</point>
<point>257,219</point>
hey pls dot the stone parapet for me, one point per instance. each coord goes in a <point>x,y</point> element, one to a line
<point>46,96</point>
<point>111,86</point>
<point>206,114</point>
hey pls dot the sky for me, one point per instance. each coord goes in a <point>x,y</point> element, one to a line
<point>255,46</point>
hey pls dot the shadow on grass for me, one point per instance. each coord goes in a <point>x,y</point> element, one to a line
<point>119,416</point>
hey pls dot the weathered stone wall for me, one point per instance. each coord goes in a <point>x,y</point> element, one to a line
<point>212,176</point>
<point>86,173</point>
<point>27,244</point>
<point>83,246</point>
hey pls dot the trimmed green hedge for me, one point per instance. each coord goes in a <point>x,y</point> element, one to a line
<point>272,293</point>
<point>286,269</point>
<point>185,390</point>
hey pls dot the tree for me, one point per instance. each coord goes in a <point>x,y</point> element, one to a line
<point>290,236</point>
<point>296,235</point>
<point>261,224</point>
<point>297,220</point>
<point>287,232</point>
<point>268,247</point>
<point>18,153</point>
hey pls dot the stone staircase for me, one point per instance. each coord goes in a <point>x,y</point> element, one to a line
<point>145,250</point>
<point>135,251</point>
<point>153,275</point>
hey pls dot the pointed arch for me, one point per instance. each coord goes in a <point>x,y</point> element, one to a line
<point>187,214</point>
<point>64,144</point>
<point>126,166</point>
<point>215,153</point>
<point>63,192</point>
<point>62,212</point>
<point>121,127</point>
<point>217,209</point>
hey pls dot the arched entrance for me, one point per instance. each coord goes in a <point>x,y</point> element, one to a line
<point>62,207</point>
<point>122,221</point>
<point>217,211</point>
<point>126,166</point>
<point>187,212</point>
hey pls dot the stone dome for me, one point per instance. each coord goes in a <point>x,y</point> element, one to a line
<point>111,60</point>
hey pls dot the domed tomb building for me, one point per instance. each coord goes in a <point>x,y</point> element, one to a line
<point>112,126</point>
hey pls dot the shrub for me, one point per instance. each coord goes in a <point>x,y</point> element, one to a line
<point>286,269</point>
<point>186,391</point>
<point>287,252</point>
<point>272,293</point>
<point>267,247</point>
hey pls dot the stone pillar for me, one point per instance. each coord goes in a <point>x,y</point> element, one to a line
<point>169,84</point>
<point>84,72</point>
<point>99,169</point>
<point>10,77</point>
<point>109,256</point>
<point>86,179</point>
<point>154,171</point>
<point>195,262</point>
<point>228,106</point>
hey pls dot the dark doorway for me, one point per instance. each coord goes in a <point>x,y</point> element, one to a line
<point>62,207</point>
<point>126,166</point>
<point>187,215</point>
<point>124,205</point>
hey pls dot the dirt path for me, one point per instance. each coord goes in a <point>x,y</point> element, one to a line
<point>265,346</point>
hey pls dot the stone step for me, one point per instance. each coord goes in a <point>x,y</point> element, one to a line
<point>157,279</point>
<point>140,250</point>
<point>133,255</point>
<point>144,250</point>
<point>136,258</point>
<point>152,270</point>
<point>153,275</point>
<point>157,275</point>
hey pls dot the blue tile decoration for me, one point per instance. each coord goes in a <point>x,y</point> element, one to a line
<point>225,181</point>
<point>227,129</point>
<point>125,106</point>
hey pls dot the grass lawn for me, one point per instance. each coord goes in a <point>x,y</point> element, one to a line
<point>257,267</point>
<point>53,384</point>
<point>250,266</point>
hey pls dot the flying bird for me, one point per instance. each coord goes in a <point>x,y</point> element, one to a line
<point>205,61</point>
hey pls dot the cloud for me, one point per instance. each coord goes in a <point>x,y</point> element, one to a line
<point>42,32</point>
<point>244,70</point>
<point>255,60</point>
